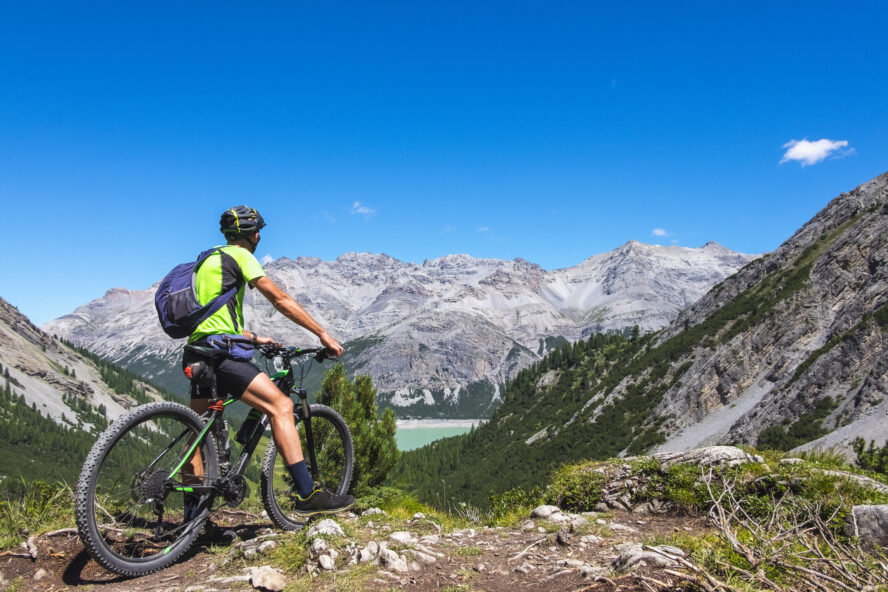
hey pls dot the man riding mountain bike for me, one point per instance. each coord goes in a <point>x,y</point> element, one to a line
<point>235,265</point>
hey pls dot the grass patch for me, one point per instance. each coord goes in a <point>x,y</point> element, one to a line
<point>467,551</point>
<point>36,507</point>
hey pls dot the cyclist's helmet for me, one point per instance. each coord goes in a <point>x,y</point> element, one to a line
<point>240,220</point>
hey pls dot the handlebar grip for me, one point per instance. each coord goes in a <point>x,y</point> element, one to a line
<point>324,354</point>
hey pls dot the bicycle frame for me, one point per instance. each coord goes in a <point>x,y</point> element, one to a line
<point>285,381</point>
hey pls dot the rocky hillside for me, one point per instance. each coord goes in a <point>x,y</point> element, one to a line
<point>441,338</point>
<point>790,351</point>
<point>636,525</point>
<point>54,400</point>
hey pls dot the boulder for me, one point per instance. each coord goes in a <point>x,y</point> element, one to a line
<point>267,578</point>
<point>708,456</point>
<point>325,527</point>
<point>869,524</point>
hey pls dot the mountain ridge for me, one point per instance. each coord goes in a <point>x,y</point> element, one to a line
<point>439,338</point>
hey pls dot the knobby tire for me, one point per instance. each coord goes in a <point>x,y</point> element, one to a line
<point>335,453</point>
<point>117,528</point>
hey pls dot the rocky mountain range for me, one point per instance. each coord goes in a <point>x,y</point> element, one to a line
<point>441,338</point>
<point>790,352</point>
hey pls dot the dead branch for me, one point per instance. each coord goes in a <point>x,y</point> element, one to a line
<point>527,548</point>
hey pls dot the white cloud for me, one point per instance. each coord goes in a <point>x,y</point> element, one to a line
<point>659,232</point>
<point>483,229</point>
<point>266,259</point>
<point>359,208</point>
<point>328,217</point>
<point>807,152</point>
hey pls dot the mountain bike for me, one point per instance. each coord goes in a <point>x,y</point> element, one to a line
<point>130,499</point>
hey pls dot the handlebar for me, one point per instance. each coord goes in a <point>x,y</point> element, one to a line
<point>271,351</point>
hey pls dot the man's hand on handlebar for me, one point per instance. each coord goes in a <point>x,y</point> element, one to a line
<point>331,344</point>
<point>265,340</point>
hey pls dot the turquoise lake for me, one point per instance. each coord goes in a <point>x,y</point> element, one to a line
<point>413,434</point>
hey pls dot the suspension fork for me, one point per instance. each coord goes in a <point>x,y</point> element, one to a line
<point>309,435</point>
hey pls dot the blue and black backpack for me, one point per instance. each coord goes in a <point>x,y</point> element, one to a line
<point>176,300</point>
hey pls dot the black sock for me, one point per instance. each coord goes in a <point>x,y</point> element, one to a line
<point>191,501</point>
<point>302,481</point>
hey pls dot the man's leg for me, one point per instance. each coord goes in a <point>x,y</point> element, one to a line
<point>263,395</point>
<point>194,466</point>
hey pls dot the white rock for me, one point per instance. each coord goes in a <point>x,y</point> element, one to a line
<point>268,546</point>
<point>422,557</point>
<point>403,537</point>
<point>466,532</point>
<point>577,521</point>
<point>544,512</point>
<point>591,539</point>
<point>268,578</point>
<point>41,574</point>
<point>707,457</point>
<point>419,516</point>
<point>430,539</point>
<point>318,546</point>
<point>325,527</point>
<point>326,563</point>
<point>369,553</point>
<point>528,525</point>
<point>392,560</point>
<point>373,512</point>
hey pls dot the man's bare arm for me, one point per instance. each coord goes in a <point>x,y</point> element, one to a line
<point>291,309</point>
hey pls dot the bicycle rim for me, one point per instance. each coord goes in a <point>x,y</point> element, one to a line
<point>335,457</point>
<point>140,475</point>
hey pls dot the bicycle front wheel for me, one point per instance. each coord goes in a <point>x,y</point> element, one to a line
<point>335,459</point>
<point>130,503</point>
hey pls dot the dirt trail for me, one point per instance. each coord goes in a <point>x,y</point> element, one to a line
<point>535,554</point>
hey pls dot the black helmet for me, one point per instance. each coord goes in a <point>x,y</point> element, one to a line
<point>240,220</point>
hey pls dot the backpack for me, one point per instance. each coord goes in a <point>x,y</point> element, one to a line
<point>176,302</point>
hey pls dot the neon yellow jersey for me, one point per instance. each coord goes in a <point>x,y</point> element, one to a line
<point>218,274</point>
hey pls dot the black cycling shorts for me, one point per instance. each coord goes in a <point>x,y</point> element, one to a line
<point>232,377</point>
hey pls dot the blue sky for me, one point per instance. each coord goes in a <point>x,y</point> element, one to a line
<point>550,131</point>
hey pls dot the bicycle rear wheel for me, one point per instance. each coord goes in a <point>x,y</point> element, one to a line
<point>335,458</point>
<point>129,503</point>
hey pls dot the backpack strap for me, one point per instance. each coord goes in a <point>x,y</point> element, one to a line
<point>220,300</point>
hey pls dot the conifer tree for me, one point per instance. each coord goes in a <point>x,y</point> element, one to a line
<point>376,451</point>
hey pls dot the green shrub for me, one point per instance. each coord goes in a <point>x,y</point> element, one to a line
<point>576,487</point>
<point>514,500</point>
<point>871,458</point>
